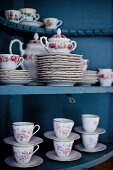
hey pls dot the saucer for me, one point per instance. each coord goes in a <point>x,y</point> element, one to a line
<point>32,23</point>
<point>34,141</point>
<point>99,147</point>
<point>72,157</point>
<point>35,161</point>
<point>98,131</point>
<point>51,135</point>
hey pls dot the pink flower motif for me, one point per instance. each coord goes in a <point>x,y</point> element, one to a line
<point>26,56</point>
<point>5,59</point>
<point>101,75</point>
<point>13,58</point>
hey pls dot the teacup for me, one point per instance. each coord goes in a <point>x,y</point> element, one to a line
<point>23,131</point>
<point>105,77</point>
<point>62,127</point>
<point>14,15</point>
<point>85,63</point>
<point>10,61</point>
<point>90,140</point>
<point>63,149</point>
<point>52,23</point>
<point>30,14</point>
<point>23,154</point>
<point>90,122</point>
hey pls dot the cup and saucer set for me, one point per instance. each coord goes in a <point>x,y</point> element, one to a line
<point>90,134</point>
<point>24,145</point>
<point>63,140</point>
<point>24,16</point>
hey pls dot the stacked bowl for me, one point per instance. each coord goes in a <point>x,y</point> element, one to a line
<point>90,134</point>
<point>63,140</point>
<point>23,143</point>
<point>89,78</point>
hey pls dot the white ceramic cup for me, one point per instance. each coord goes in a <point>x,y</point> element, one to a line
<point>14,15</point>
<point>90,140</point>
<point>10,61</point>
<point>63,149</point>
<point>105,77</point>
<point>23,131</point>
<point>24,154</point>
<point>90,122</point>
<point>52,23</point>
<point>62,127</point>
<point>85,63</point>
<point>30,14</point>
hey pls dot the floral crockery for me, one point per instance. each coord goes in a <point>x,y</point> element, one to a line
<point>14,15</point>
<point>63,149</point>
<point>90,122</point>
<point>90,140</point>
<point>62,127</point>
<point>23,154</point>
<point>52,23</point>
<point>10,61</point>
<point>58,43</point>
<point>23,131</point>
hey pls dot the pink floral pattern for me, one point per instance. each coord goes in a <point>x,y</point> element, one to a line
<point>23,133</point>
<point>6,59</point>
<point>60,45</point>
<point>65,150</point>
<point>24,155</point>
<point>30,57</point>
<point>106,76</point>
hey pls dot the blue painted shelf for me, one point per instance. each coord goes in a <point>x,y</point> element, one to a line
<point>67,32</point>
<point>88,160</point>
<point>29,90</point>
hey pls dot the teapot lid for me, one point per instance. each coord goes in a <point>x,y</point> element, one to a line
<point>58,35</point>
<point>36,39</point>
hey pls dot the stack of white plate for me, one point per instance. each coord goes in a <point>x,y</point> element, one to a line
<point>16,77</point>
<point>59,69</point>
<point>90,77</point>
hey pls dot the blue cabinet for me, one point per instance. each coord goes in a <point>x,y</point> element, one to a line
<point>90,24</point>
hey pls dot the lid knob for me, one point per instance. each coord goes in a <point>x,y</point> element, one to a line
<point>36,36</point>
<point>59,31</point>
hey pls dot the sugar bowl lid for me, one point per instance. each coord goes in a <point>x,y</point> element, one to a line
<point>59,37</point>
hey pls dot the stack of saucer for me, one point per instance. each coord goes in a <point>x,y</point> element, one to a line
<point>90,134</point>
<point>63,140</point>
<point>23,146</point>
<point>18,77</point>
<point>89,77</point>
<point>59,69</point>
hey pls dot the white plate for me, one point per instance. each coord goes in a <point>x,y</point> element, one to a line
<point>51,135</point>
<point>98,131</point>
<point>88,82</point>
<point>35,161</point>
<point>32,23</point>
<point>59,83</point>
<point>72,157</point>
<point>64,54</point>
<point>34,141</point>
<point>99,147</point>
<point>16,82</point>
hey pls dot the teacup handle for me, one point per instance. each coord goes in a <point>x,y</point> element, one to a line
<point>59,23</point>
<point>21,60</point>
<point>46,42</point>
<point>23,17</point>
<point>37,129</point>
<point>20,46</point>
<point>35,149</point>
<point>37,16</point>
<point>74,45</point>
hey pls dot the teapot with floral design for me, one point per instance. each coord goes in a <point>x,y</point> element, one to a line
<point>30,54</point>
<point>58,43</point>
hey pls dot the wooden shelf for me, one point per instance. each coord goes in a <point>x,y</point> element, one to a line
<point>29,90</point>
<point>67,32</point>
<point>88,160</point>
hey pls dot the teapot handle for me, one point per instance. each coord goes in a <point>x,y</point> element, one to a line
<point>46,42</point>
<point>20,46</point>
<point>74,45</point>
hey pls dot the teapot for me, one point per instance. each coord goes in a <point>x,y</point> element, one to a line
<point>58,43</point>
<point>30,54</point>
